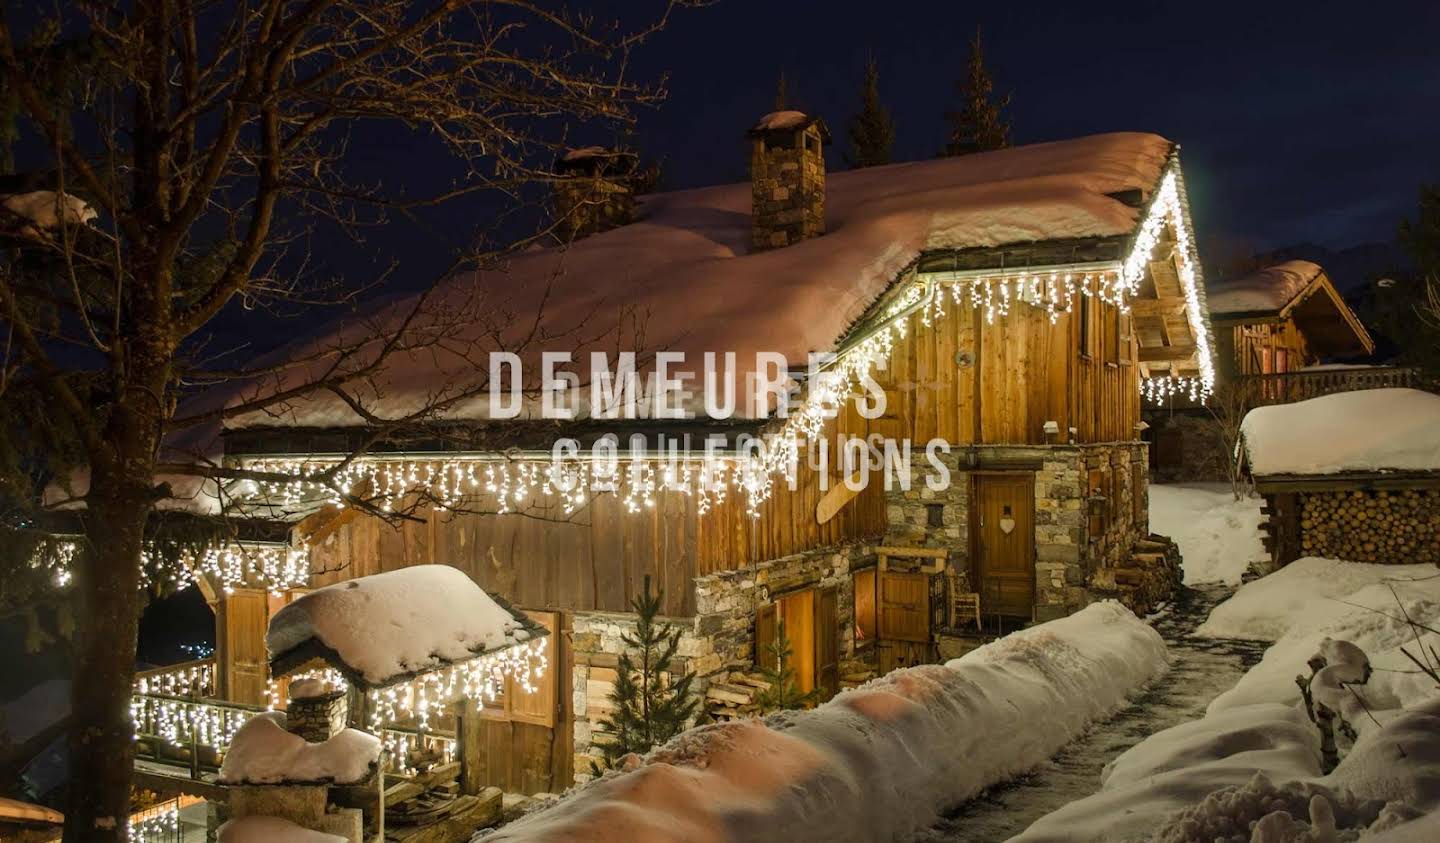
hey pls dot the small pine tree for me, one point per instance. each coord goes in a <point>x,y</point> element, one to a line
<point>978,126</point>
<point>872,131</point>
<point>782,99</point>
<point>784,692</point>
<point>651,707</point>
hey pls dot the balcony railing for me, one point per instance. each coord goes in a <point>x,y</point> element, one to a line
<point>1289,387</point>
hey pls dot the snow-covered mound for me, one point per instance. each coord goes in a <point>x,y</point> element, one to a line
<point>1367,430</point>
<point>875,763</point>
<point>400,622</point>
<point>263,752</point>
<point>683,279</point>
<point>1311,600</point>
<point>1219,537</point>
<point>1196,781</point>
<point>1308,590</point>
<point>256,829</point>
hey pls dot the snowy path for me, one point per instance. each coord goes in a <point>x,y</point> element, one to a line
<point>1200,670</point>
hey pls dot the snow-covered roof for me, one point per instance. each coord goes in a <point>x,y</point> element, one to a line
<point>1367,430</point>
<point>683,277</point>
<point>777,120</point>
<point>384,628</point>
<point>263,752</point>
<point>1264,290</point>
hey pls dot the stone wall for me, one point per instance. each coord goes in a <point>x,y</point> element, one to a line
<point>787,180</point>
<point>720,638</point>
<point>586,205</point>
<point>1066,554</point>
<point>1188,446</point>
<point>317,718</point>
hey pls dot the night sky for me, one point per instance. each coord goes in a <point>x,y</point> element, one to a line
<point>1299,121</point>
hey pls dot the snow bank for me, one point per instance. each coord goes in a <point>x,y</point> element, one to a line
<point>1307,590</point>
<point>1367,430</point>
<point>399,622</point>
<point>1196,781</point>
<point>1266,290</point>
<point>877,762</point>
<point>1219,537</point>
<point>256,829</point>
<point>1311,600</point>
<point>263,752</point>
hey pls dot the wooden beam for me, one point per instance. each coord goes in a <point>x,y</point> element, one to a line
<point>1163,306</point>
<point>1166,352</point>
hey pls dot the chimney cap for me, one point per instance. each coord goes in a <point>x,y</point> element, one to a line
<point>788,122</point>
<point>596,160</point>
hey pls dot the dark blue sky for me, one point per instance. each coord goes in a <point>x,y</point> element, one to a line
<point>1299,121</point>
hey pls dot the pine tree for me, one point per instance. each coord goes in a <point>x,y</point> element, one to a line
<point>782,99</point>
<point>1417,294</point>
<point>651,706</point>
<point>784,692</point>
<point>872,131</point>
<point>978,126</point>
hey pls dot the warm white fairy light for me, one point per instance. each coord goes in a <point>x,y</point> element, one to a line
<point>160,823</point>
<point>480,679</point>
<point>1166,209</point>
<point>276,567</point>
<point>1159,390</point>
<point>182,721</point>
<point>333,678</point>
<point>195,680</point>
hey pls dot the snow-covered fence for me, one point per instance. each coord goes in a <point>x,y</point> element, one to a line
<point>876,762</point>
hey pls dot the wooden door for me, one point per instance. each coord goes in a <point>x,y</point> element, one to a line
<point>1003,543</point>
<point>797,612</point>
<point>827,641</point>
<point>240,640</point>
<point>904,607</point>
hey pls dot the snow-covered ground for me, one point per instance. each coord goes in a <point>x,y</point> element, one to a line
<point>1219,537</point>
<point>878,762</point>
<point>1197,781</point>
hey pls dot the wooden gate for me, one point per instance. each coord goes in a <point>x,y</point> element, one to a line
<point>1002,533</point>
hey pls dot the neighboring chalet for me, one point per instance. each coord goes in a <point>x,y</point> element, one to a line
<point>1010,303</point>
<point>1282,334</point>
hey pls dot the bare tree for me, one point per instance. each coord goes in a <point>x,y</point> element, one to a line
<point>1227,407</point>
<point>209,140</point>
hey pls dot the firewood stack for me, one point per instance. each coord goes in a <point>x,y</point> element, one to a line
<point>1145,580</point>
<point>1395,527</point>
<point>734,698</point>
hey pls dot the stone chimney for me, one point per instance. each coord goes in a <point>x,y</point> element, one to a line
<point>593,192</point>
<point>316,712</point>
<point>787,179</point>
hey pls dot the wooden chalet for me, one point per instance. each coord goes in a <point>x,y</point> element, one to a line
<point>1010,303</point>
<point>1282,334</point>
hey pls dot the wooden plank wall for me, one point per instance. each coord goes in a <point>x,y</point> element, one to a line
<point>1246,344</point>
<point>597,558</point>
<point>971,382</point>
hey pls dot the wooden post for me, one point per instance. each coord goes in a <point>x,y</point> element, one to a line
<point>469,731</point>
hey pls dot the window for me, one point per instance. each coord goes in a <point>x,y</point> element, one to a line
<point>1083,322</point>
<point>537,705</point>
<point>866,620</point>
<point>1112,334</point>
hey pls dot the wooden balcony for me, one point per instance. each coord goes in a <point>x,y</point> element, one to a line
<point>1289,387</point>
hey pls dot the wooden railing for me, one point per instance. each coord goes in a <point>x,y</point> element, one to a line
<point>1289,387</point>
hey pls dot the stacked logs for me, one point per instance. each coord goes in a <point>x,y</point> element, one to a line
<point>1149,577</point>
<point>1394,527</point>
<point>733,698</point>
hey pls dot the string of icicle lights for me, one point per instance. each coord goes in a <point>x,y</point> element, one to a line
<point>450,482</point>
<point>274,567</point>
<point>1158,390</point>
<point>480,679</point>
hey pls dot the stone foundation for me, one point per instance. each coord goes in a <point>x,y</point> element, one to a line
<point>719,639</point>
